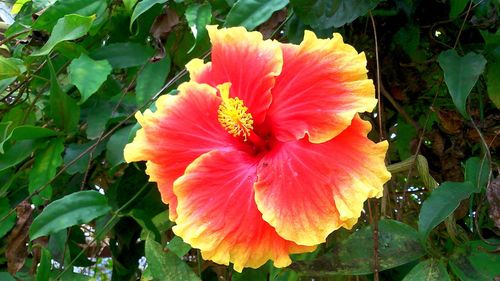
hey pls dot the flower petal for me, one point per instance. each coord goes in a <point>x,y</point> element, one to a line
<point>244,59</point>
<point>182,128</point>
<point>308,190</point>
<point>322,86</point>
<point>218,215</point>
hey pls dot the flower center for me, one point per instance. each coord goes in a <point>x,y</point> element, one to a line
<point>233,115</point>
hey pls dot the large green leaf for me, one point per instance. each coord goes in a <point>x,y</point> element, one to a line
<point>70,27</point>
<point>73,209</point>
<point>398,245</point>
<point>143,7</point>
<point>88,75</point>
<point>44,169</point>
<point>428,270</point>
<point>123,55</point>
<point>251,13</point>
<point>63,109</point>
<point>460,75</point>
<point>47,20</point>
<point>9,221</point>
<point>76,150</point>
<point>11,67</point>
<point>165,265</point>
<point>324,14</point>
<point>43,270</point>
<point>24,132</point>
<point>441,203</point>
<point>151,79</point>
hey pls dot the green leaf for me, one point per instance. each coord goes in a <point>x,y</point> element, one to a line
<point>145,221</point>
<point>428,270</point>
<point>460,75</point>
<point>24,132</point>
<point>398,245</point>
<point>10,221</point>
<point>143,7</point>
<point>457,7</point>
<point>43,270</point>
<point>252,13</point>
<point>198,17</point>
<point>492,81</point>
<point>73,209</point>
<point>178,246</point>
<point>47,20</point>
<point>74,150</point>
<point>251,274</point>
<point>129,5</point>
<point>123,55</point>
<point>88,75</point>
<point>17,153</point>
<point>477,171</point>
<point>44,169</point>
<point>166,265</point>
<point>324,14</point>
<point>115,146</point>
<point>63,109</point>
<point>70,27</point>
<point>11,67</point>
<point>476,260</point>
<point>441,203</point>
<point>151,79</point>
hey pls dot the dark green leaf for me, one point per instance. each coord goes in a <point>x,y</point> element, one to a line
<point>59,9</point>
<point>17,153</point>
<point>144,220</point>
<point>44,169</point>
<point>165,265</point>
<point>441,203</point>
<point>178,246</point>
<point>476,260</point>
<point>10,221</point>
<point>123,55</point>
<point>398,245</point>
<point>70,27</point>
<point>151,79</point>
<point>11,67</point>
<point>115,146</point>
<point>252,13</point>
<point>43,270</point>
<point>493,82</point>
<point>251,274</point>
<point>73,209</point>
<point>324,14</point>
<point>143,7</point>
<point>477,171</point>
<point>63,108</point>
<point>429,270</point>
<point>460,75</point>
<point>457,7</point>
<point>88,75</point>
<point>198,17</point>
<point>75,150</point>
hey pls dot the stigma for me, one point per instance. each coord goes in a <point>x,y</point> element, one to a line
<point>233,115</point>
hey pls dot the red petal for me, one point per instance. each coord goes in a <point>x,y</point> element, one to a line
<point>244,59</point>
<point>308,190</point>
<point>182,128</point>
<point>218,215</point>
<point>321,87</point>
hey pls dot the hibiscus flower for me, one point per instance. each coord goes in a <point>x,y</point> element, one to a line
<point>262,153</point>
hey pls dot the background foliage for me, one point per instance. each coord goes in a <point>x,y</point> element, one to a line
<point>74,72</point>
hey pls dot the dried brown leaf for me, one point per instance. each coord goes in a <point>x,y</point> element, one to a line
<point>17,249</point>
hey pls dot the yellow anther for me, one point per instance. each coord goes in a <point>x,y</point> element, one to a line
<point>233,115</point>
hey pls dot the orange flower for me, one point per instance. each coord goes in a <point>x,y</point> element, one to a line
<point>262,153</point>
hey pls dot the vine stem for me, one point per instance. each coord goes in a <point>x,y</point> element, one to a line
<point>374,215</point>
